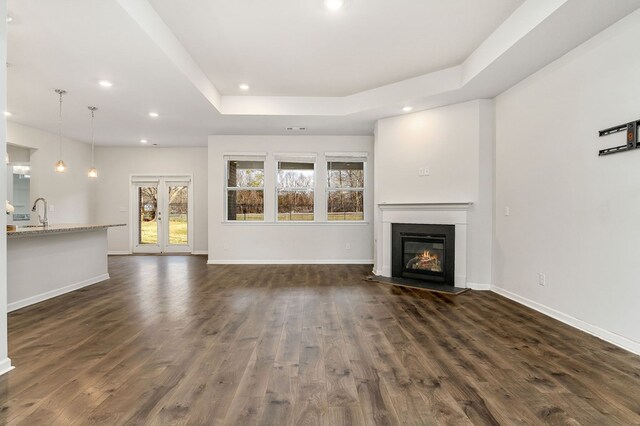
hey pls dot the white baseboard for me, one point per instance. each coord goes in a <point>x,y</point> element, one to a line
<point>5,366</point>
<point>200,252</point>
<point>477,286</point>
<point>53,293</point>
<point>118,253</point>
<point>613,338</point>
<point>291,262</point>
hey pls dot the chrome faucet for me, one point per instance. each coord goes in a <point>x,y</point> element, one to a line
<point>44,221</point>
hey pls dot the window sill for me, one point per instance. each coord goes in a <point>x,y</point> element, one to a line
<point>294,223</point>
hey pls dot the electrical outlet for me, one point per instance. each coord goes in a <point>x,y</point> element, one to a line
<point>225,246</point>
<point>507,211</point>
<point>427,171</point>
<point>542,279</point>
<point>347,247</point>
<point>52,208</point>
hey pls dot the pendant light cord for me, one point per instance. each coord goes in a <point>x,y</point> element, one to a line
<point>61,92</point>
<point>92,139</point>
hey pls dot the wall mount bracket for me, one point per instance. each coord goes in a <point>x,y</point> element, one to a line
<point>632,137</point>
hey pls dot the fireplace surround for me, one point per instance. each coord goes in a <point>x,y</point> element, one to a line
<point>422,213</point>
<point>423,252</point>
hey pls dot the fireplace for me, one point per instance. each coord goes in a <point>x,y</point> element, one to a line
<point>423,252</point>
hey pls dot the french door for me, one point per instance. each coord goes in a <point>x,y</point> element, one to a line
<point>162,214</point>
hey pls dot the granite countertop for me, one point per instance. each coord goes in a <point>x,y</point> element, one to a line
<point>28,231</point>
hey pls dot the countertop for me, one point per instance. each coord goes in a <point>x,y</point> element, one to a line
<point>30,231</point>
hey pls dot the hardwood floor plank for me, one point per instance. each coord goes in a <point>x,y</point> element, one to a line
<point>170,340</point>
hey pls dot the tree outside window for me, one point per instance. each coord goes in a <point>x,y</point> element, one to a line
<point>245,190</point>
<point>296,181</point>
<point>345,190</point>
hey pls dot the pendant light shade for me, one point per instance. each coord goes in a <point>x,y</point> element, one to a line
<point>60,166</point>
<point>93,173</point>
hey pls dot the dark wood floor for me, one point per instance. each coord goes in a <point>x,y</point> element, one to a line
<point>170,340</point>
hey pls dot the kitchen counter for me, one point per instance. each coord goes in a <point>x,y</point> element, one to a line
<point>45,262</point>
<point>31,230</point>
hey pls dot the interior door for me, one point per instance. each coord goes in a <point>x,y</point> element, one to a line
<point>162,218</point>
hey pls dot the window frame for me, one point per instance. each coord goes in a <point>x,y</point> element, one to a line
<point>346,158</point>
<point>296,158</point>
<point>227,188</point>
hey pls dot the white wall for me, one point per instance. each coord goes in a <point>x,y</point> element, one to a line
<point>70,193</point>
<point>116,165</point>
<point>270,242</point>
<point>5,362</point>
<point>574,216</point>
<point>456,144</point>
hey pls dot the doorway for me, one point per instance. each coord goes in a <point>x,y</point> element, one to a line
<point>162,218</point>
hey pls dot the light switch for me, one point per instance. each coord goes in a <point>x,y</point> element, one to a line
<point>507,211</point>
<point>52,208</point>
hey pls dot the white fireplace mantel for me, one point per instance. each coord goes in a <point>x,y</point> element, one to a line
<point>453,213</point>
<point>423,206</point>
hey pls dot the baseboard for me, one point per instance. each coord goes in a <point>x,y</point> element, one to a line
<point>613,338</point>
<point>291,262</point>
<point>127,253</point>
<point>5,366</point>
<point>477,286</point>
<point>53,293</point>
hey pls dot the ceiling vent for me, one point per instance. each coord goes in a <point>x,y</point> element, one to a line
<point>296,129</point>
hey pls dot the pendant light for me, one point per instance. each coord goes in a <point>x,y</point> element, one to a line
<point>60,166</point>
<point>93,173</point>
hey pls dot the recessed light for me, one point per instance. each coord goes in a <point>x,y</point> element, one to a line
<point>143,141</point>
<point>407,109</point>
<point>333,4</point>
<point>154,114</point>
<point>105,83</point>
<point>244,86</point>
<point>7,114</point>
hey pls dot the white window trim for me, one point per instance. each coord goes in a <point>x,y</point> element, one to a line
<point>354,157</point>
<point>346,157</point>
<point>252,156</point>
<point>309,158</point>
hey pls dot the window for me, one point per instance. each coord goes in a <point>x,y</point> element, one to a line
<point>295,190</point>
<point>345,190</point>
<point>245,190</point>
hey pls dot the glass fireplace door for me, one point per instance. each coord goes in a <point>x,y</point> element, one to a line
<point>423,256</point>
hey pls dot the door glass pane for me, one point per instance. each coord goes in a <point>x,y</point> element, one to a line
<point>147,215</point>
<point>178,215</point>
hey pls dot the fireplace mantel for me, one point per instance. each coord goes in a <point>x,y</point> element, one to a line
<point>451,213</point>
<point>425,206</point>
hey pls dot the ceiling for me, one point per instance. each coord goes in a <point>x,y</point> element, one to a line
<point>298,48</point>
<point>333,73</point>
